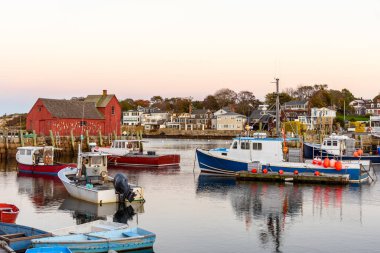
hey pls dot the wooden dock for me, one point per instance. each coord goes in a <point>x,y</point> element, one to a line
<point>288,177</point>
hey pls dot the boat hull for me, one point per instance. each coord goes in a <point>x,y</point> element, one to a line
<point>145,160</point>
<point>310,151</point>
<point>102,194</point>
<point>213,163</point>
<point>8,213</point>
<point>20,243</point>
<point>51,170</point>
<point>117,240</point>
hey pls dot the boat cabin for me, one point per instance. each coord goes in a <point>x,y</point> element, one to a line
<point>338,145</point>
<point>35,155</point>
<point>93,164</point>
<point>130,145</point>
<point>374,125</point>
<point>256,148</point>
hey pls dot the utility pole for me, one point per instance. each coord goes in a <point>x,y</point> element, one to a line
<point>277,107</point>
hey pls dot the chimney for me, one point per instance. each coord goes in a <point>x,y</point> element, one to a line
<point>104,92</point>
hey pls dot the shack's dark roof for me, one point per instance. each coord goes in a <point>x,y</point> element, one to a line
<point>231,114</point>
<point>71,109</point>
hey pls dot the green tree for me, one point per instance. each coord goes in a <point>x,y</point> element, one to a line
<point>270,98</point>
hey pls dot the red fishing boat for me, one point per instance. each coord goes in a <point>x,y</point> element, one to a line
<point>38,160</point>
<point>8,213</point>
<point>129,153</point>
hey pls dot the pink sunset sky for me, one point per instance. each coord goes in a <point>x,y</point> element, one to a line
<point>141,48</point>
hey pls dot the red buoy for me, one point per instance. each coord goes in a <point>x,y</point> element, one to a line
<point>295,172</point>
<point>338,165</point>
<point>316,173</point>
<point>319,161</point>
<point>356,154</point>
<point>315,161</point>
<point>280,172</point>
<point>254,170</point>
<point>326,162</point>
<point>265,171</point>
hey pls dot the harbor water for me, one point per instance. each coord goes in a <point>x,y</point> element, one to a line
<point>192,212</point>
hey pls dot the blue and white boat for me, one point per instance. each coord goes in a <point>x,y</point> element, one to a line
<point>119,239</point>
<point>262,153</point>
<point>19,237</point>
<point>49,250</point>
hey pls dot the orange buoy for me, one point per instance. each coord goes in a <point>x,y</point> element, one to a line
<point>332,163</point>
<point>316,173</point>
<point>265,171</point>
<point>280,172</point>
<point>338,165</point>
<point>295,172</point>
<point>356,154</point>
<point>360,152</point>
<point>326,162</point>
<point>254,170</point>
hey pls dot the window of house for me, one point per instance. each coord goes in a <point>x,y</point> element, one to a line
<point>372,105</point>
<point>113,110</point>
<point>82,123</point>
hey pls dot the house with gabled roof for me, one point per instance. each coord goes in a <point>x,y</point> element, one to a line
<point>93,114</point>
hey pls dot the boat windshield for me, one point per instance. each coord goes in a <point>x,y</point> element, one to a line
<point>96,160</point>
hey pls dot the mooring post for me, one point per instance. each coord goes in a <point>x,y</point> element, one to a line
<point>21,138</point>
<point>34,138</point>
<point>100,139</point>
<point>72,140</point>
<point>52,138</point>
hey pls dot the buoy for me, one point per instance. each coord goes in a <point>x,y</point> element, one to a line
<point>360,152</point>
<point>319,161</point>
<point>316,173</point>
<point>265,171</point>
<point>315,161</point>
<point>326,162</point>
<point>338,165</point>
<point>356,154</point>
<point>254,170</point>
<point>332,163</point>
<point>295,172</point>
<point>280,172</point>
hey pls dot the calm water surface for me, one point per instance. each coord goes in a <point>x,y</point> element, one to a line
<point>190,212</point>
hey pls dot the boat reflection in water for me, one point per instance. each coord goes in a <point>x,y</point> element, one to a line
<point>44,191</point>
<point>270,209</point>
<point>84,212</point>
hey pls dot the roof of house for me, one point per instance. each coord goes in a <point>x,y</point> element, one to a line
<point>232,114</point>
<point>71,109</point>
<point>296,102</point>
<point>200,111</point>
<point>99,100</point>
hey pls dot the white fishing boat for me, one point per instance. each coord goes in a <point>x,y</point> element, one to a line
<point>91,182</point>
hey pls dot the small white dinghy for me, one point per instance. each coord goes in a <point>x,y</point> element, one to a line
<point>91,182</point>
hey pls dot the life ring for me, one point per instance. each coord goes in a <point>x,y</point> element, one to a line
<point>369,129</point>
<point>129,145</point>
<point>103,174</point>
<point>48,160</point>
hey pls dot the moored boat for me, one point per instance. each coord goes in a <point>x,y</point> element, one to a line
<point>262,155</point>
<point>101,240</point>
<point>91,182</point>
<point>8,213</point>
<point>57,249</point>
<point>339,147</point>
<point>129,153</point>
<point>19,237</point>
<point>38,160</point>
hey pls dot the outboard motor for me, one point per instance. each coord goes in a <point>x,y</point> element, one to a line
<point>122,187</point>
